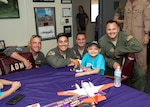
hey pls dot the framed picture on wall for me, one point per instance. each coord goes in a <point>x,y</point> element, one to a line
<point>45,22</point>
<point>67,30</point>
<point>2,45</point>
<point>66,1</point>
<point>43,0</point>
<point>9,9</point>
<point>66,12</point>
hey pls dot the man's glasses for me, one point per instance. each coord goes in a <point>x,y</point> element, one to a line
<point>34,36</point>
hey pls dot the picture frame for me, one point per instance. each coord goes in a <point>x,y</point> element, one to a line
<point>66,1</point>
<point>67,30</point>
<point>2,45</point>
<point>43,0</point>
<point>66,12</point>
<point>9,9</point>
<point>45,22</point>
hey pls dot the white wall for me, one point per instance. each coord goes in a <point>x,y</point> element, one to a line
<point>19,30</point>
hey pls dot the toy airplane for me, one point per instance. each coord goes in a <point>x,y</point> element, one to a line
<point>95,93</point>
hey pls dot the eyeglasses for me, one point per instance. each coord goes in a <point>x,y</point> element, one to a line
<point>33,36</point>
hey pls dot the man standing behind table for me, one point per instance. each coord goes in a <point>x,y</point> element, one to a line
<point>115,44</point>
<point>137,23</point>
<point>80,47</point>
<point>34,47</point>
<point>61,56</point>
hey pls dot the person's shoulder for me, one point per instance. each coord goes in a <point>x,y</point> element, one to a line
<point>103,38</point>
<point>86,54</point>
<point>123,34</point>
<point>100,55</point>
<point>70,50</point>
<point>40,53</point>
<point>77,15</point>
<point>52,52</point>
<point>74,47</point>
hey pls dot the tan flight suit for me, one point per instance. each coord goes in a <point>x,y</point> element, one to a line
<point>136,23</point>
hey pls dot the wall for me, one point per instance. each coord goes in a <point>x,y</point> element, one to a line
<point>18,31</point>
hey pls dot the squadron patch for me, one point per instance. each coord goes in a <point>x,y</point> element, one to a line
<point>51,53</point>
<point>130,37</point>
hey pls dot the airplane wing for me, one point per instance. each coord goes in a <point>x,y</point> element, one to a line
<point>101,87</point>
<point>75,92</point>
<point>81,91</point>
<point>86,90</point>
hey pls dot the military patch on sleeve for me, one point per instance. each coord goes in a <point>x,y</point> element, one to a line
<point>51,53</point>
<point>130,37</point>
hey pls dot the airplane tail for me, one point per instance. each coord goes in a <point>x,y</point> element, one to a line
<point>97,98</point>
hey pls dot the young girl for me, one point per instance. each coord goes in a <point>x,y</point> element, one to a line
<point>93,62</point>
<point>14,86</point>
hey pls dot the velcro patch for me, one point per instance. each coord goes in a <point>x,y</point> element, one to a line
<point>51,53</point>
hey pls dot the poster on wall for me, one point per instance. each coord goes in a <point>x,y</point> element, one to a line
<point>9,9</point>
<point>67,30</point>
<point>43,0</point>
<point>45,22</point>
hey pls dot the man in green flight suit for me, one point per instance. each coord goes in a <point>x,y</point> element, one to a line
<point>115,44</point>
<point>61,56</point>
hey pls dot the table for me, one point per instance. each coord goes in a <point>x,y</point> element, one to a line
<point>40,85</point>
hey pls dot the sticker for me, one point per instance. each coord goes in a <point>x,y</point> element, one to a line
<point>51,53</point>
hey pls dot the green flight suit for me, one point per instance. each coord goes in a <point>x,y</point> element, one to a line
<point>123,46</point>
<point>56,60</point>
<point>79,56</point>
<point>40,59</point>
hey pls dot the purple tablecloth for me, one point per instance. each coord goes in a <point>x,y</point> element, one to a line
<point>41,85</point>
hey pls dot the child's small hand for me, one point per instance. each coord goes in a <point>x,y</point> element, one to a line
<point>83,68</point>
<point>15,85</point>
<point>1,85</point>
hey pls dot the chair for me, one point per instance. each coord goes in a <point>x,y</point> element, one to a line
<point>127,68</point>
<point>2,45</point>
<point>10,65</point>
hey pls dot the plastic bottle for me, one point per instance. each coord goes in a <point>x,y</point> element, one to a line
<point>117,77</point>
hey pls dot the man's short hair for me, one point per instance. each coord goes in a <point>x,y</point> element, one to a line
<point>112,21</point>
<point>34,36</point>
<point>61,35</point>
<point>80,33</point>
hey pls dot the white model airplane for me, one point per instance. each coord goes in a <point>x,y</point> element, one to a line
<point>95,93</point>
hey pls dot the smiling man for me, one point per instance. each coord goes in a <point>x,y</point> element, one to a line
<point>34,47</point>
<point>115,44</point>
<point>80,47</point>
<point>61,56</point>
